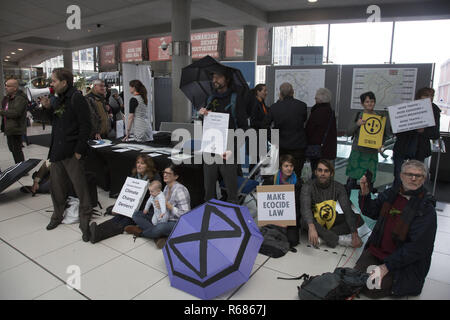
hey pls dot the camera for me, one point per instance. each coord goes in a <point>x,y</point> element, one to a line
<point>164,46</point>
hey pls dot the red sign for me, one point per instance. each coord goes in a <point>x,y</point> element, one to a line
<point>131,51</point>
<point>107,55</point>
<point>155,52</point>
<point>263,42</point>
<point>234,43</point>
<point>205,43</point>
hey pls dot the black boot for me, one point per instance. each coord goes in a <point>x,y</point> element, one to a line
<point>104,230</point>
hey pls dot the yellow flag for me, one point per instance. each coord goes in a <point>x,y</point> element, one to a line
<point>371,133</point>
<point>325,213</point>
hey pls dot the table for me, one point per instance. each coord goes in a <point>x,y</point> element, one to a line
<point>112,168</point>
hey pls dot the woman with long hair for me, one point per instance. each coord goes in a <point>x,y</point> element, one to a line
<point>138,119</point>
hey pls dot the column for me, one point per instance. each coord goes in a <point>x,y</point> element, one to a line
<point>2,75</point>
<point>67,57</point>
<point>181,57</point>
<point>250,43</point>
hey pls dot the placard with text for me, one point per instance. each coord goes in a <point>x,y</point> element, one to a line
<point>130,197</point>
<point>276,205</point>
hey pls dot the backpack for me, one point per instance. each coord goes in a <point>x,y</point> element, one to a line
<point>276,243</point>
<point>338,285</point>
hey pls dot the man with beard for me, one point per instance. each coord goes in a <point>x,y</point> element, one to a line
<point>318,200</point>
<point>97,102</point>
<point>69,113</point>
<point>225,99</point>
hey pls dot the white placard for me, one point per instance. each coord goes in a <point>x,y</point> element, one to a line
<point>391,86</point>
<point>215,132</point>
<point>120,129</point>
<point>276,205</point>
<point>130,197</point>
<point>411,115</point>
<point>304,81</point>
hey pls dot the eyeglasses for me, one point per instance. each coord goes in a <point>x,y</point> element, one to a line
<point>168,173</point>
<point>411,175</point>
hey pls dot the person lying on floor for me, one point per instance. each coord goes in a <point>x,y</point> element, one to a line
<point>318,200</point>
<point>402,241</point>
<point>41,180</point>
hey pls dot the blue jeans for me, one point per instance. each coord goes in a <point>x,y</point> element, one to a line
<point>149,230</point>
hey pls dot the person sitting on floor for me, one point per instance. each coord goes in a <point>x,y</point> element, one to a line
<point>402,241</point>
<point>286,175</point>
<point>144,170</point>
<point>159,215</point>
<point>318,201</point>
<point>178,202</point>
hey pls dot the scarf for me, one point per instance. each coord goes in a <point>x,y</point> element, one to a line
<point>409,212</point>
<point>262,104</point>
<point>291,180</point>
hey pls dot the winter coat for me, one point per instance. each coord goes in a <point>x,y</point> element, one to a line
<point>411,260</point>
<point>15,115</point>
<point>316,128</point>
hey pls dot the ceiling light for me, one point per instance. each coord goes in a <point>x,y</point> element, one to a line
<point>7,57</point>
<point>20,49</point>
<point>13,53</point>
<point>312,0</point>
<point>6,60</point>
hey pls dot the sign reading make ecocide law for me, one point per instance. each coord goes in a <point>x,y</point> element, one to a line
<point>130,197</point>
<point>276,205</point>
<point>411,115</point>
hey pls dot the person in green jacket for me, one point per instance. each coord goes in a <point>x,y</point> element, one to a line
<point>13,114</point>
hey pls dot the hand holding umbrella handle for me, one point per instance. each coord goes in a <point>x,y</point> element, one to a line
<point>203,112</point>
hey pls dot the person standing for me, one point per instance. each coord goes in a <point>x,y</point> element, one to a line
<point>138,118</point>
<point>97,102</point>
<point>71,125</point>
<point>288,115</point>
<point>321,127</point>
<point>13,114</point>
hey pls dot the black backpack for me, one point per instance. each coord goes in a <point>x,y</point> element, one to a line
<point>338,285</point>
<point>276,243</point>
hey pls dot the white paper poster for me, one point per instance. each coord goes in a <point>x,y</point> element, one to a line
<point>411,115</point>
<point>276,205</point>
<point>120,129</point>
<point>215,132</point>
<point>130,197</point>
<point>391,86</point>
<point>304,81</point>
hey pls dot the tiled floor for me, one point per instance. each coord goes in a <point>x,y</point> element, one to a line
<point>35,263</point>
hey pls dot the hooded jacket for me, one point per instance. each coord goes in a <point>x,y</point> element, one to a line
<point>15,115</point>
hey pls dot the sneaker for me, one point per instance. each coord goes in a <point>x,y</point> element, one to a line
<point>135,230</point>
<point>160,243</point>
<point>345,240</point>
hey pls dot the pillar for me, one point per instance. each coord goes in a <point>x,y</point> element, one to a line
<point>67,57</point>
<point>2,75</point>
<point>250,43</point>
<point>181,57</point>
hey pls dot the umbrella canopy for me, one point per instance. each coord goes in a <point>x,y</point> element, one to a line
<point>196,79</point>
<point>14,173</point>
<point>212,249</point>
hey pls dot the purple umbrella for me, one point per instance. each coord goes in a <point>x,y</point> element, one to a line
<point>212,249</point>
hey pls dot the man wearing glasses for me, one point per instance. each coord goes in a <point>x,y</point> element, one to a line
<point>402,241</point>
<point>99,110</point>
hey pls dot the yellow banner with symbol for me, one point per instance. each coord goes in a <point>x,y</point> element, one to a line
<point>372,131</point>
<point>325,213</point>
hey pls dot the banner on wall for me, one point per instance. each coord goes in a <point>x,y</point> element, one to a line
<point>131,51</point>
<point>107,56</point>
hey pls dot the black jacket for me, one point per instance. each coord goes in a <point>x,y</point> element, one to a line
<point>411,261</point>
<point>289,116</point>
<point>316,129</point>
<point>70,116</point>
<point>257,114</point>
<point>415,145</point>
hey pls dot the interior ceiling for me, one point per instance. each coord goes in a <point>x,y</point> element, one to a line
<point>39,27</point>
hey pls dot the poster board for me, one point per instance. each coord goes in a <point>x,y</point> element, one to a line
<point>276,205</point>
<point>130,197</point>
<point>372,131</point>
<point>412,115</point>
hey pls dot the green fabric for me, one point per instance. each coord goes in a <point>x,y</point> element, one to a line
<point>354,198</point>
<point>16,115</point>
<point>359,162</point>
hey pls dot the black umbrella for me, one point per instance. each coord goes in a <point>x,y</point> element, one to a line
<point>196,79</point>
<point>14,173</point>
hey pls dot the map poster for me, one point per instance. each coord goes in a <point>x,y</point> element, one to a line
<point>371,132</point>
<point>391,86</point>
<point>304,81</point>
<point>412,115</point>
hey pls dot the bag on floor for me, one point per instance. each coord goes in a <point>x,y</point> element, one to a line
<point>341,284</point>
<point>276,243</point>
<point>71,214</point>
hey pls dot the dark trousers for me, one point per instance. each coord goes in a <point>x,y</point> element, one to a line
<point>299,159</point>
<point>62,174</point>
<point>367,259</point>
<point>15,146</point>
<point>229,173</point>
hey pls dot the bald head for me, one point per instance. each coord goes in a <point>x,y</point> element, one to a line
<point>286,90</point>
<point>11,86</point>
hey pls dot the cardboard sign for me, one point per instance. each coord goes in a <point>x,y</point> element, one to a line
<point>371,133</point>
<point>325,213</point>
<point>412,115</point>
<point>130,197</point>
<point>215,132</point>
<point>276,205</point>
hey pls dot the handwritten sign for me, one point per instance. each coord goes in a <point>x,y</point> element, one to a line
<point>411,115</point>
<point>215,132</point>
<point>372,131</point>
<point>130,197</point>
<point>276,205</point>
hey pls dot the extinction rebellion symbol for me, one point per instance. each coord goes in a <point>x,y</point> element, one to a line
<point>326,213</point>
<point>372,125</point>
